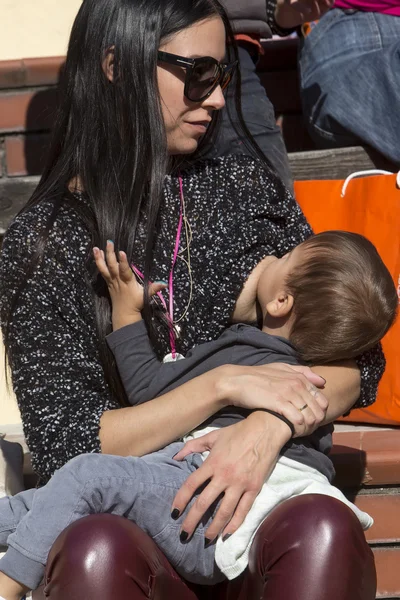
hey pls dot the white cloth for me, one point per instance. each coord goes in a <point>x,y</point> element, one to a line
<point>288,479</point>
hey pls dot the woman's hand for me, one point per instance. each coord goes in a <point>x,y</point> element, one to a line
<point>292,13</point>
<point>242,456</point>
<point>291,391</point>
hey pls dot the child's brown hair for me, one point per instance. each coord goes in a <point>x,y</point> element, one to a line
<point>344,297</point>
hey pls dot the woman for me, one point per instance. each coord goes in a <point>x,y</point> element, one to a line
<point>133,102</point>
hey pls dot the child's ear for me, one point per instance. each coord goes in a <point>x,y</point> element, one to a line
<point>281,305</point>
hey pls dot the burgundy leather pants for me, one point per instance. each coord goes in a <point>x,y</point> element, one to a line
<point>310,548</point>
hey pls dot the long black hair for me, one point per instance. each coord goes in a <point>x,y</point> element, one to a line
<point>111,136</point>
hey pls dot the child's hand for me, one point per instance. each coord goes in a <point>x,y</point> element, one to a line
<point>127,295</point>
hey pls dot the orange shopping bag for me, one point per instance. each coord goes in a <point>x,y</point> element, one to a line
<point>369,205</point>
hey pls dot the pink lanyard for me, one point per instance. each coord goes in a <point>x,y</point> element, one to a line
<point>170,311</point>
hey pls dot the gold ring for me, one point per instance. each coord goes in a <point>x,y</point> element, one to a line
<point>303,407</point>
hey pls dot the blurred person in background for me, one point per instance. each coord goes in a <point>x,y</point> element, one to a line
<point>349,69</point>
<point>253,20</point>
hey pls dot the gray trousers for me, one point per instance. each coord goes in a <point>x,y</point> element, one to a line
<point>140,489</point>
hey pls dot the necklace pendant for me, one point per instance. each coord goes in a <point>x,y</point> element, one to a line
<point>169,358</point>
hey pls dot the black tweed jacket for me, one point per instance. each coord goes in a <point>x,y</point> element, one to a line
<point>238,213</point>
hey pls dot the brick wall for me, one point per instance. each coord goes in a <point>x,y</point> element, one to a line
<point>28,98</point>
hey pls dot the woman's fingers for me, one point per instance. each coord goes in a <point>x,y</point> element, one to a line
<point>300,390</point>
<point>317,402</point>
<point>282,389</point>
<point>186,493</point>
<point>293,414</point>
<point>198,445</point>
<point>245,504</point>
<point>241,457</point>
<point>303,411</point>
<point>303,394</point>
<point>199,508</point>
<point>226,513</point>
<point>186,450</point>
<point>308,373</point>
<point>289,395</point>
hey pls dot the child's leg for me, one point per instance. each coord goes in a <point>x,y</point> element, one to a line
<point>12,510</point>
<point>11,589</point>
<point>141,489</point>
<point>191,560</point>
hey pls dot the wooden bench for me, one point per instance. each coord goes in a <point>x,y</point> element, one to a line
<point>367,459</point>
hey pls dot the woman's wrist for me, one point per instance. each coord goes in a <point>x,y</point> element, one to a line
<point>281,418</point>
<point>277,430</point>
<point>226,385</point>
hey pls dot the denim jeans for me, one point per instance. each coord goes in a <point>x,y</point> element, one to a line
<point>139,489</point>
<point>350,81</point>
<point>259,117</point>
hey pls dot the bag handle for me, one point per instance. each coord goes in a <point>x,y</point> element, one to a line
<point>368,172</point>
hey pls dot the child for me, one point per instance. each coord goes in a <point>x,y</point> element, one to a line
<point>331,298</point>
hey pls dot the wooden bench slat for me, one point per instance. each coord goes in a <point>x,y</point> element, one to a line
<point>335,163</point>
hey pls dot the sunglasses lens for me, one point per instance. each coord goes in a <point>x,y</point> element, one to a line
<point>203,78</point>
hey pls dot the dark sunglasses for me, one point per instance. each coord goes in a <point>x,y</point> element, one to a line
<point>203,75</point>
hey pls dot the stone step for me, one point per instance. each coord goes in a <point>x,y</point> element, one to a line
<point>384,507</point>
<point>367,456</point>
<point>387,560</point>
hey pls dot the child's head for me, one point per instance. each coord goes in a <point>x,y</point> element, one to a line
<point>332,296</point>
